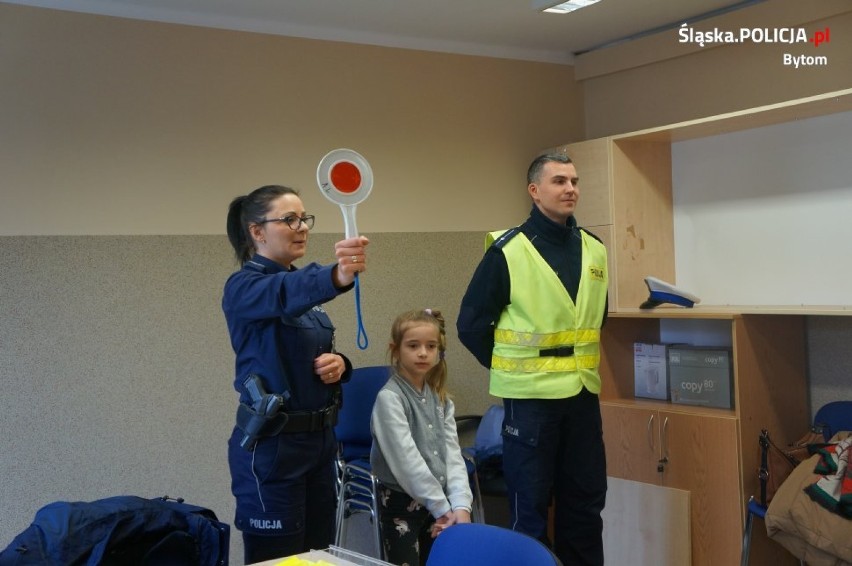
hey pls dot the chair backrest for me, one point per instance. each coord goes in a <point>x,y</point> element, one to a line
<point>353,422</point>
<point>489,438</point>
<point>478,543</point>
<point>834,417</point>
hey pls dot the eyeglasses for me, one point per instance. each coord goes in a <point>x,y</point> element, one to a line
<point>293,221</point>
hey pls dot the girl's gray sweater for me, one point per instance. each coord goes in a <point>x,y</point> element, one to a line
<point>416,447</point>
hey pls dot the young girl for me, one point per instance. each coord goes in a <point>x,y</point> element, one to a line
<point>416,454</point>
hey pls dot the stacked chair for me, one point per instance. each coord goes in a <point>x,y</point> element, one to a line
<point>357,486</point>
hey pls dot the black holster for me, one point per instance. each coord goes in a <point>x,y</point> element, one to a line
<point>255,425</point>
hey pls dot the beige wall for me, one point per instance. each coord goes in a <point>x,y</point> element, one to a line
<point>114,126</point>
<point>658,80</point>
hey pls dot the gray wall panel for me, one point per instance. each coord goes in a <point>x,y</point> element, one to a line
<point>117,366</point>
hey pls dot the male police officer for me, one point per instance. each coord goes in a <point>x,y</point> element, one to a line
<point>532,314</point>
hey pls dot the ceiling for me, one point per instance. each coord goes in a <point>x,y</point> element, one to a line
<point>496,28</point>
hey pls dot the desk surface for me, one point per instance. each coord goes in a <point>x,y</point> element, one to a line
<point>334,555</point>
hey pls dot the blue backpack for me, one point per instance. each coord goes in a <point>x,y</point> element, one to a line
<point>123,530</point>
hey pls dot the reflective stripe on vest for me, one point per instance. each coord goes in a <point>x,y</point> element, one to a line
<point>547,340</point>
<point>545,364</point>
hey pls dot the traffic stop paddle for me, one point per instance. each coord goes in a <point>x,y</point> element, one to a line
<point>345,178</point>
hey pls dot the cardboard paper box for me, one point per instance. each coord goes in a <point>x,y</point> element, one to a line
<point>701,376</point>
<point>650,374</point>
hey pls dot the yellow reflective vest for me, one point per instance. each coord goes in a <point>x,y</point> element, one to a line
<point>542,316</point>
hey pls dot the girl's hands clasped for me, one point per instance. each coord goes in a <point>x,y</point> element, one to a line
<point>449,519</point>
<point>351,257</point>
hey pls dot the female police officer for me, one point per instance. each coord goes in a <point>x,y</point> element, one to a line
<point>282,451</point>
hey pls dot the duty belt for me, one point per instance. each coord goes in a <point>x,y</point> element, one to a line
<point>310,421</point>
<point>260,426</point>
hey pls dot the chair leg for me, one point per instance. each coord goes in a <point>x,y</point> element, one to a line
<point>477,508</point>
<point>350,508</point>
<point>338,523</point>
<point>377,529</point>
<point>477,514</point>
<point>342,505</point>
<point>746,539</point>
<point>377,522</point>
<point>355,498</point>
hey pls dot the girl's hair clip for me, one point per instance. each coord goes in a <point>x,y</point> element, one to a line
<point>437,316</point>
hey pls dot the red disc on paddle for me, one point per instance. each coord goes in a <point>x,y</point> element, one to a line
<point>345,177</point>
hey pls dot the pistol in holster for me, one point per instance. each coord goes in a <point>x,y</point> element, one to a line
<point>263,417</point>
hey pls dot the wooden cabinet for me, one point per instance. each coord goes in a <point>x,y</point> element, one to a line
<point>684,451</point>
<point>626,200</point>
<point>712,453</point>
<point>632,437</point>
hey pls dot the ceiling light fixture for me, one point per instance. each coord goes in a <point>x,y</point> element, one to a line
<point>561,7</point>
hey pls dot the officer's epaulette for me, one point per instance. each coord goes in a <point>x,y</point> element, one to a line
<point>590,234</point>
<point>254,266</point>
<point>505,237</point>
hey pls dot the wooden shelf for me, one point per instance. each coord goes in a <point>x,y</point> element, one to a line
<point>731,311</point>
<point>670,407</point>
<point>799,109</point>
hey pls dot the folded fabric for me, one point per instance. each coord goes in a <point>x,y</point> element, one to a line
<point>834,489</point>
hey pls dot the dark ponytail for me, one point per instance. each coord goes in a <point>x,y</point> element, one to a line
<point>247,210</point>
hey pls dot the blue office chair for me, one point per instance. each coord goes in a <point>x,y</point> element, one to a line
<point>476,543</point>
<point>834,417</point>
<point>485,457</point>
<point>753,509</point>
<point>357,486</point>
<point>831,418</point>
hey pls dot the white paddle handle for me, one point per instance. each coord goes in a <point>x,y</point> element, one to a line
<point>349,225</point>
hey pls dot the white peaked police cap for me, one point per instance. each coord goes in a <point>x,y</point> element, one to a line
<point>662,292</point>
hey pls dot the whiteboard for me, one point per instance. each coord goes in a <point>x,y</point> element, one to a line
<point>764,216</point>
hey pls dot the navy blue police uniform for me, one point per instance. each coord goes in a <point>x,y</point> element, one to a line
<point>285,486</point>
<point>564,457</point>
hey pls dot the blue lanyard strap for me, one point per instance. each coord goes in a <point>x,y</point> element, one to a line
<point>363,342</point>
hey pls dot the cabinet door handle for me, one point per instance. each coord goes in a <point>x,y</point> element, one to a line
<point>651,432</point>
<point>664,451</point>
